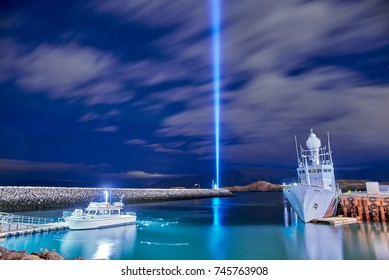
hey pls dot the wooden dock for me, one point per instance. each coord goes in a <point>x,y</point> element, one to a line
<point>336,221</point>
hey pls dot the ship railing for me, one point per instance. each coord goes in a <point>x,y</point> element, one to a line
<point>67,213</point>
<point>64,215</point>
<point>130,213</point>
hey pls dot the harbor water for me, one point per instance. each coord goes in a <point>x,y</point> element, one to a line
<point>259,225</point>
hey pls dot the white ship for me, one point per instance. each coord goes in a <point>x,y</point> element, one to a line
<point>99,215</point>
<point>316,194</point>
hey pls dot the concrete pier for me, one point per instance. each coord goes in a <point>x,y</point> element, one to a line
<point>13,199</point>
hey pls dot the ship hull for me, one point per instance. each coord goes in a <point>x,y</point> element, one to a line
<point>82,222</point>
<point>311,202</point>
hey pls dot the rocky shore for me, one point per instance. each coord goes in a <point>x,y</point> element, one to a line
<point>6,254</point>
<point>36,198</point>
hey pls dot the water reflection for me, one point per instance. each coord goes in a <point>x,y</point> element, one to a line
<point>106,243</point>
<point>290,217</point>
<point>366,240</point>
<point>217,248</point>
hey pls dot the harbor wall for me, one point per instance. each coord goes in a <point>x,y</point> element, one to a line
<point>13,199</point>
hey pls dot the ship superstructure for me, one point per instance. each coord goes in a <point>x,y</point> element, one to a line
<point>316,194</point>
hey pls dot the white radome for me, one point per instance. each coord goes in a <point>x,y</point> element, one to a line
<point>313,142</point>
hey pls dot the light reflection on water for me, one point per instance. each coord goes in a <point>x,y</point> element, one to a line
<point>249,226</point>
<point>366,240</point>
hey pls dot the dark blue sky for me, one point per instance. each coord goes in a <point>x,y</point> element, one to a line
<point>121,91</point>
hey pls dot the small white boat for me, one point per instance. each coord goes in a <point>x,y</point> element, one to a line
<point>99,215</point>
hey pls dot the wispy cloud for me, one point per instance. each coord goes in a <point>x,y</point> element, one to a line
<point>67,71</point>
<point>144,175</point>
<point>282,67</point>
<point>26,165</point>
<point>92,116</point>
<point>263,41</point>
<point>135,142</point>
<point>170,147</point>
<point>110,128</point>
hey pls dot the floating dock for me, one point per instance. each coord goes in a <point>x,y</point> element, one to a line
<point>16,225</point>
<point>336,221</point>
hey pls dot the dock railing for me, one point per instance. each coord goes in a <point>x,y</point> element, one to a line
<point>9,222</point>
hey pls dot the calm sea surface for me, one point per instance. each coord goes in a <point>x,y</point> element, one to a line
<point>248,226</point>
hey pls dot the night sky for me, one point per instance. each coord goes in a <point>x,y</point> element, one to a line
<point>121,91</point>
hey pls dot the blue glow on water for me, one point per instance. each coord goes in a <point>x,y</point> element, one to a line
<point>216,210</point>
<point>216,80</point>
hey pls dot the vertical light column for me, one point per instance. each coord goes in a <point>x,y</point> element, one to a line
<point>216,82</point>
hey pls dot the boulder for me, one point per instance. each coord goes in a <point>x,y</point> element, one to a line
<point>13,255</point>
<point>3,251</point>
<point>31,257</point>
<point>47,255</point>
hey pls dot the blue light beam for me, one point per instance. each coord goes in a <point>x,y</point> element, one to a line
<point>216,81</point>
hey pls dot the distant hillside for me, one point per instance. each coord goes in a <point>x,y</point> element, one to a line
<point>263,186</point>
<point>259,186</point>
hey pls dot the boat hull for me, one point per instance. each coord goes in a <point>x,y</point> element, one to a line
<point>80,223</point>
<point>311,202</point>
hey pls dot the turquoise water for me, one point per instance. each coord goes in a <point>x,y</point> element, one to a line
<point>248,226</point>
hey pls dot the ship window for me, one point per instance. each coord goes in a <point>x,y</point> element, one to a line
<point>114,211</point>
<point>92,212</point>
<point>303,171</point>
<point>100,212</point>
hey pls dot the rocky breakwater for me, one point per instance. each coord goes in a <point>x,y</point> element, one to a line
<point>14,199</point>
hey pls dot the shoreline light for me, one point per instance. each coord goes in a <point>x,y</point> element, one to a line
<point>216,80</point>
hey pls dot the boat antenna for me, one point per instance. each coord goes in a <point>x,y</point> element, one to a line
<point>329,146</point>
<point>297,150</point>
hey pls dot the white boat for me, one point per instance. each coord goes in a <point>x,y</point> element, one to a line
<point>316,195</point>
<point>99,215</point>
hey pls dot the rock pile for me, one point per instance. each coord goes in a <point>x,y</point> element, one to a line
<point>35,198</point>
<point>6,254</point>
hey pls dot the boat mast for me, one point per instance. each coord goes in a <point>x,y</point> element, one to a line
<point>329,147</point>
<point>297,151</point>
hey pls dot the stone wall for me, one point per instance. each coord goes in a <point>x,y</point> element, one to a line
<point>13,199</point>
